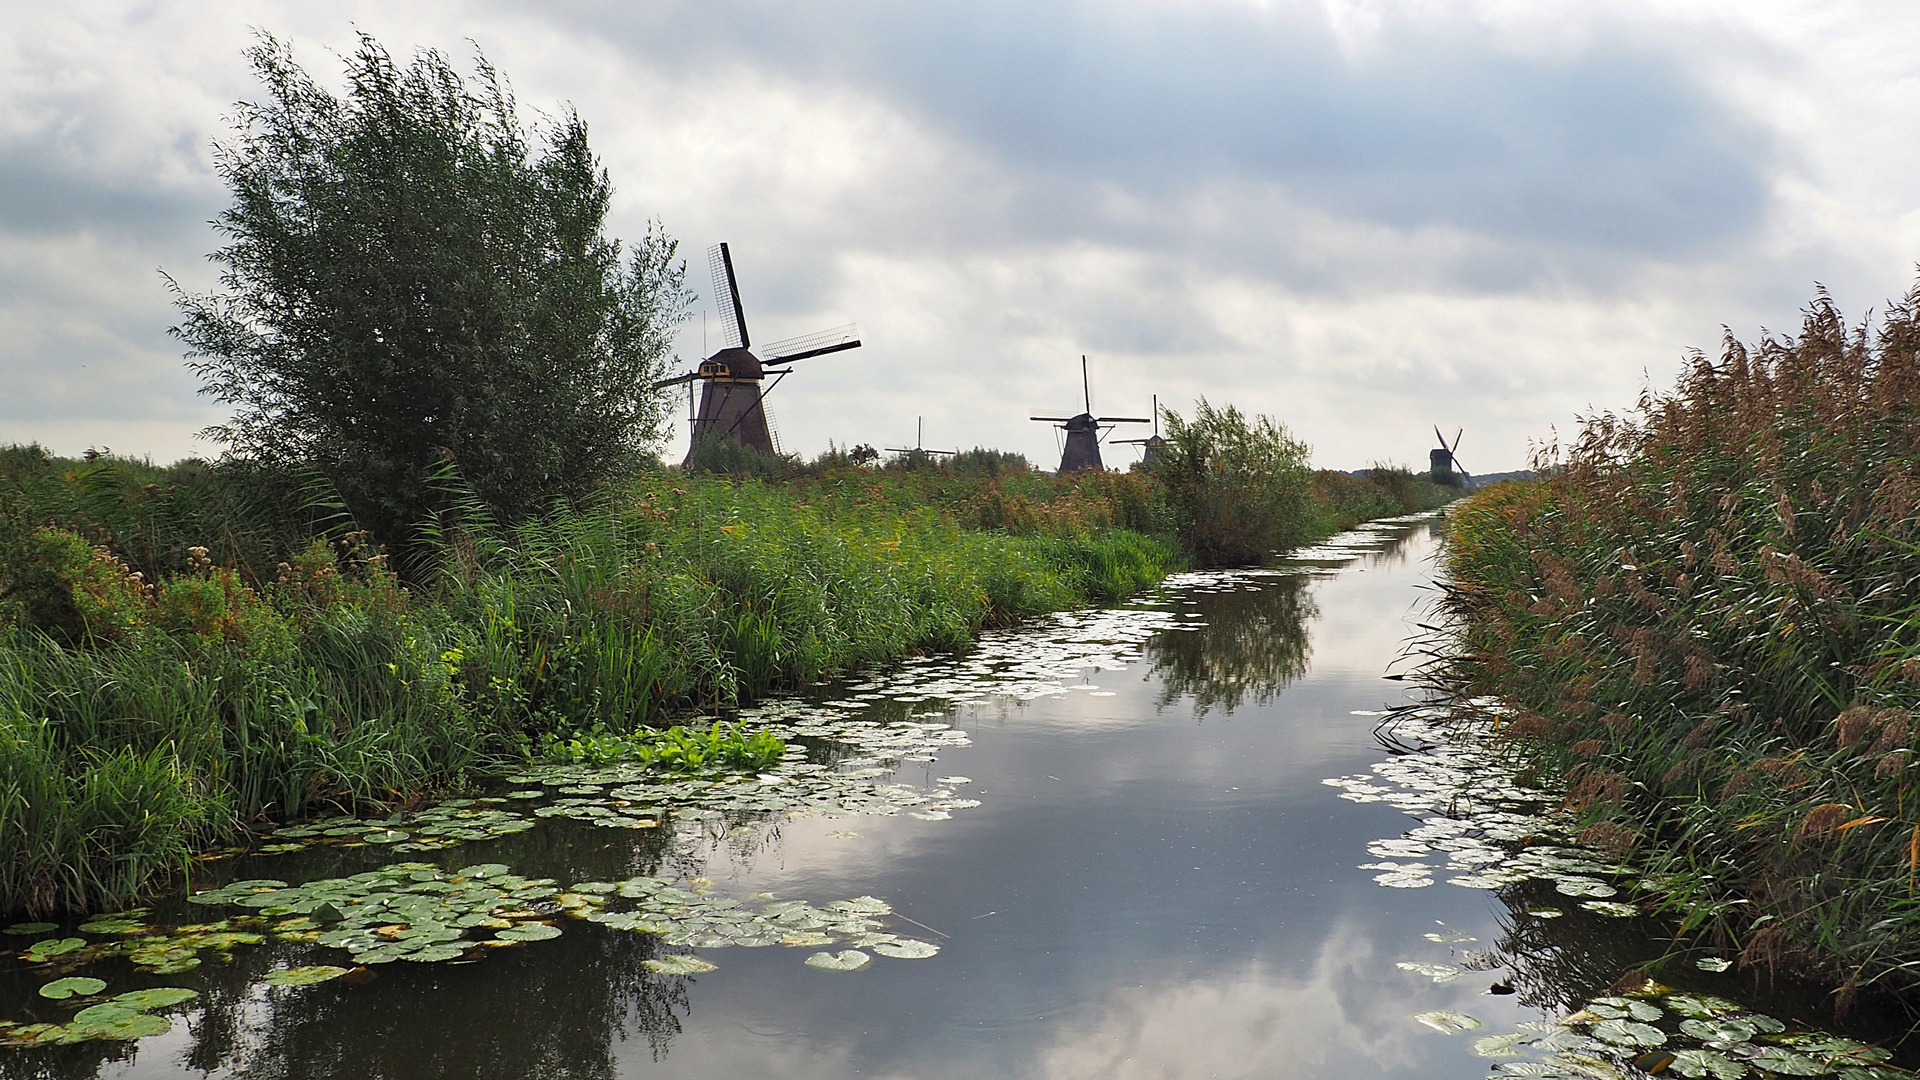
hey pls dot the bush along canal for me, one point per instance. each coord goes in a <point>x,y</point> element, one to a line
<point>1168,839</point>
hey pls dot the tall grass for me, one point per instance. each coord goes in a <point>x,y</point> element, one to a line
<point>145,717</point>
<point>1706,617</point>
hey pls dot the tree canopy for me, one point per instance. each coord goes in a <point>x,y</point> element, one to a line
<point>411,277</point>
<point>1239,486</point>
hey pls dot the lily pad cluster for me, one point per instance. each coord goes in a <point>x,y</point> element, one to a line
<point>1477,826</point>
<point>127,1016</point>
<point>404,911</point>
<point>1660,1030</point>
<point>160,951</point>
<point>449,824</point>
<point>694,918</point>
<point>1493,835</point>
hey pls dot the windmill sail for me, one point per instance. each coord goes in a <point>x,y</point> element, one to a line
<point>726,297</point>
<point>788,350</point>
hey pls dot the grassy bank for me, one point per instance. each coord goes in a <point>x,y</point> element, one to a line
<point>190,649</point>
<point>1707,623</point>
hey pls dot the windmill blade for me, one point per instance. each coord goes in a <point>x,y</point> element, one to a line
<point>1085,386</point>
<point>1456,440</point>
<point>1123,420</point>
<point>1124,442</point>
<point>788,350</point>
<point>676,380</point>
<point>726,296</point>
<point>1442,438</point>
<point>1052,419</point>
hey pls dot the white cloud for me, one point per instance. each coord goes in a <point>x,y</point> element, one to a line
<point>1362,217</point>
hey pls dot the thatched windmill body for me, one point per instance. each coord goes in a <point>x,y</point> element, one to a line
<point>1082,449</point>
<point>732,403</point>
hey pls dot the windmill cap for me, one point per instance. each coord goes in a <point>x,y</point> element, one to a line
<point>741,363</point>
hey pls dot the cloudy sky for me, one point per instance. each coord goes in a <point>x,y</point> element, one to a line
<point>1365,218</point>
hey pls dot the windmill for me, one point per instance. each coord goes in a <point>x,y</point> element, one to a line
<point>1152,445</point>
<point>919,433</point>
<point>1446,468</point>
<point>731,400</point>
<point>1082,450</point>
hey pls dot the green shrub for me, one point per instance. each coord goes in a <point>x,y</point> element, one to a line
<point>1239,487</point>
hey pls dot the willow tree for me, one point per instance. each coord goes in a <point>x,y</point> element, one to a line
<point>411,277</point>
<point>1240,486</point>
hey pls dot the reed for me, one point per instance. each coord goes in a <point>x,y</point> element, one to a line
<point>1704,620</point>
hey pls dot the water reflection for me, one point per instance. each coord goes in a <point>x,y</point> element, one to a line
<point>556,1013</point>
<point>1253,644</point>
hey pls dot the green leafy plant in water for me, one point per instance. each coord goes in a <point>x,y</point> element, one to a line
<point>720,748</point>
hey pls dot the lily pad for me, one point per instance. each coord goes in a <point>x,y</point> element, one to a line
<point>158,997</point>
<point>528,932</point>
<point>113,926</point>
<point>1727,1031</point>
<point>1448,1022</point>
<point>1707,1063</point>
<point>1777,1059</point>
<point>28,1035</point>
<point>1439,973</point>
<point>52,947</point>
<point>1629,1033</point>
<point>906,949</point>
<point>1499,1046</point>
<point>846,960</point>
<point>312,975</point>
<point>1713,963</point>
<point>77,986</point>
<point>26,928</point>
<point>677,964</point>
<point>1611,909</point>
<point>130,1026</point>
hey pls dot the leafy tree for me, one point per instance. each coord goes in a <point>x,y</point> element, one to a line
<point>411,277</point>
<point>1240,488</point>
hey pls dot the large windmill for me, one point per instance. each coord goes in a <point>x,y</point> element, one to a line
<point>731,405</point>
<point>1152,445</point>
<point>1082,450</point>
<point>1446,467</point>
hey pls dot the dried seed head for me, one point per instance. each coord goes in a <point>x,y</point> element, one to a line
<point>1824,820</point>
<point>1853,726</point>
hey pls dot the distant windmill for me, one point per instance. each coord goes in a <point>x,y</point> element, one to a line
<point>731,405</point>
<point>919,432</point>
<point>1151,446</point>
<point>1445,466</point>
<point>1083,431</point>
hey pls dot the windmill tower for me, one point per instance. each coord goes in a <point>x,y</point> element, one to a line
<point>731,400</point>
<point>1445,467</point>
<point>1082,450</point>
<point>1152,445</point>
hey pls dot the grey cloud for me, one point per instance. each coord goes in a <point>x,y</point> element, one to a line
<point>1616,148</point>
